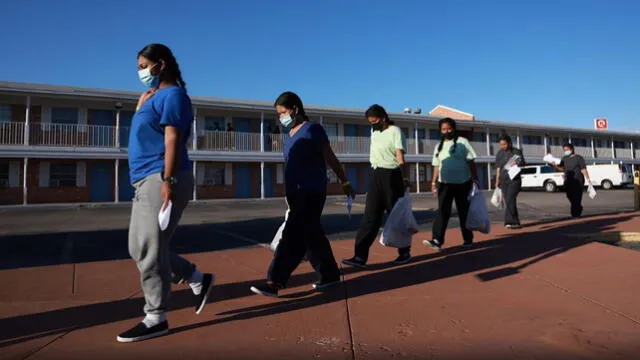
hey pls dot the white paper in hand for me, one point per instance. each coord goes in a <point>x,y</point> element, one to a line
<point>164,216</point>
<point>349,204</point>
<point>591,191</point>
<point>550,159</point>
<point>514,171</point>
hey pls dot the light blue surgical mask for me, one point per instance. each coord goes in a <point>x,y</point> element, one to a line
<point>568,152</point>
<point>286,121</point>
<point>148,80</point>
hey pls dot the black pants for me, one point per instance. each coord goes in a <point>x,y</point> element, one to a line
<point>385,188</point>
<point>447,193</point>
<point>574,189</point>
<point>510,190</point>
<point>303,233</point>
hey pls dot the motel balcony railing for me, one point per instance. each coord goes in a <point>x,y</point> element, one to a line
<point>103,136</point>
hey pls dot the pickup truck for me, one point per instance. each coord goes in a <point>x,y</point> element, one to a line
<point>541,177</point>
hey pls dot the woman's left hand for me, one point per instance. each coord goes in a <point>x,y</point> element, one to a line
<point>167,194</point>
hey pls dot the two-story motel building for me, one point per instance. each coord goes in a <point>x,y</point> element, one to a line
<point>62,144</point>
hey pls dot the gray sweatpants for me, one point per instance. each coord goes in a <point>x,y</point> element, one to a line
<point>149,246</point>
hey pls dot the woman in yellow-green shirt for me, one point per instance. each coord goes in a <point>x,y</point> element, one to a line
<point>388,183</point>
<point>454,173</point>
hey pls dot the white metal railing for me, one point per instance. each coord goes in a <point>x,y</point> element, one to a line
<point>12,133</point>
<point>604,152</point>
<point>228,141</point>
<point>624,154</point>
<point>480,147</point>
<point>533,151</point>
<point>72,135</point>
<point>584,151</point>
<point>102,136</point>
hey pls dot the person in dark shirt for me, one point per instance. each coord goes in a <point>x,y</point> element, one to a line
<point>507,157</point>
<point>306,153</point>
<point>575,173</point>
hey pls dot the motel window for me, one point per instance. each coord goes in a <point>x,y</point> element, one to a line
<point>579,142</point>
<point>532,140</point>
<point>479,137</point>
<point>4,174</point>
<point>5,114</point>
<point>62,175</point>
<point>494,138</point>
<point>64,115</point>
<point>422,173</point>
<point>434,134</point>
<point>618,144</point>
<point>214,123</point>
<point>214,174</point>
<point>422,134</point>
<point>331,129</point>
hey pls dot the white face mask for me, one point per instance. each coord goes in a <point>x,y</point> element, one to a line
<point>568,152</point>
<point>286,120</point>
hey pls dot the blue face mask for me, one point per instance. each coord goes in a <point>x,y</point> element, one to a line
<point>286,121</point>
<point>147,79</point>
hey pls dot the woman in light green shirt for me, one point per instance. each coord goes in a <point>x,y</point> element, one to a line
<point>454,173</point>
<point>388,183</point>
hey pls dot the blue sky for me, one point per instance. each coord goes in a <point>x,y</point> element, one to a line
<point>549,62</point>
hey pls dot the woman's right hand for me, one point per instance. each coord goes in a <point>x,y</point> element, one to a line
<point>144,97</point>
<point>349,190</point>
<point>434,188</point>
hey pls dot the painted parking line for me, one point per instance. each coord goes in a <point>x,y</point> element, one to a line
<point>243,238</point>
<point>362,205</point>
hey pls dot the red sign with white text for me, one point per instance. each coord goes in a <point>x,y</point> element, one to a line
<point>601,124</point>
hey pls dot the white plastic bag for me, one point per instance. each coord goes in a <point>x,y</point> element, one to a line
<point>478,217</point>
<point>497,200</point>
<point>591,191</point>
<point>278,236</point>
<point>400,225</point>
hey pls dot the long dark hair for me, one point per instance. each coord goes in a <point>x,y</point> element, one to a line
<point>451,123</point>
<point>291,101</point>
<point>171,72</point>
<point>378,111</point>
<point>507,139</point>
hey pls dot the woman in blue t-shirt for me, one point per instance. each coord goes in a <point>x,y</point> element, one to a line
<point>161,175</point>
<point>306,154</point>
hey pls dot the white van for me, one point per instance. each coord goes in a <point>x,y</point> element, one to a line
<point>608,176</point>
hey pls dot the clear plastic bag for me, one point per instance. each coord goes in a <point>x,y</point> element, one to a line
<point>401,225</point>
<point>497,199</point>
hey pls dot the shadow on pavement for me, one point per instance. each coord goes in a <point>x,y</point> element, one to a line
<point>451,262</point>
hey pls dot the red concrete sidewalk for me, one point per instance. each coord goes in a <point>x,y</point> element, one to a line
<point>525,294</point>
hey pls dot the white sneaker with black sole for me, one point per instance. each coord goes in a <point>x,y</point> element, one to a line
<point>435,243</point>
<point>142,332</point>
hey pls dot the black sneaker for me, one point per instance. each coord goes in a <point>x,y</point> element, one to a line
<point>142,332</point>
<point>321,285</point>
<point>435,243</point>
<point>355,262</point>
<point>265,290</point>
<point>467,245</point>
<point>207,284</point>
<point>402,259</point>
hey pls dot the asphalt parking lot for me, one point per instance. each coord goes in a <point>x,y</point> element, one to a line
<point>54,235</point>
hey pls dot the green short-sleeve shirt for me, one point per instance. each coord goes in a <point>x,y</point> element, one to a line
<point>454,163</point>
<point>382,153</point>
